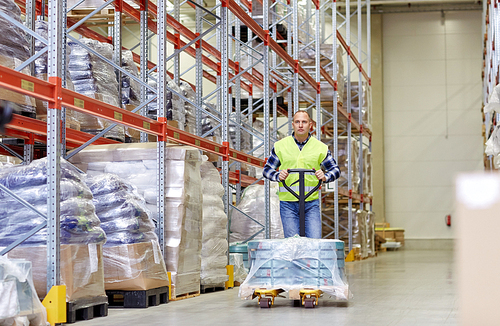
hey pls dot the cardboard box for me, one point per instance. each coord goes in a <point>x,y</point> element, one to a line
<point>81,269</point>
<point>134,267</point>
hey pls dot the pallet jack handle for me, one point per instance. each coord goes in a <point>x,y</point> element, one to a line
<point>302,196</point>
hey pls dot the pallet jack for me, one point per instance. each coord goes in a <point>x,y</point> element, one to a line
<point>308,297</point>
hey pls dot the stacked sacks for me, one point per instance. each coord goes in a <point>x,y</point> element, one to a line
<point>94,78</point>
<point>132,256</point>
<point>14,50</point>
<point>174,108</point>
<point>131,92</point>
<point>252,203</point>
<point>81,234</point>
<point>188,92</point>
<point>41,65</point>
<point>214,229</point>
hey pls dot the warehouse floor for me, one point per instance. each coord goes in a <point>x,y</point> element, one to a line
<point>396,288</point>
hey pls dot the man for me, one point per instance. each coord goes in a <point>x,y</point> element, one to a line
<point>300,151</point>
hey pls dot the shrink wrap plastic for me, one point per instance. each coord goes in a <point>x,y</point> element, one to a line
<point>295,263</point>
<point>343,161</point>
<point>79,224</point>
<point>370,233</point>
<point>367,172</point>
<point>366,94</point>
<point>131,89</point>
<point>121,210</point>
<point>214,228</point>
<point>94,78</point>
<point>131,256</point>
<point>252,204</point>
<point>81,234</point>
<point>240,272</point>
<point>188,92</point>
<point>174,107</point>
<point>362,237</point>
<point>81,269</point>
<point>41,64</point>
<point>14,50</point>
<point>19,303</point>
<point>307,59</point>
<point>136,164</point>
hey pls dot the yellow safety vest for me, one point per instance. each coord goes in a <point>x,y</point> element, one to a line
<point>291,157</point>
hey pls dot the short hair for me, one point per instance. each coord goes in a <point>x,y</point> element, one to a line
<point>302,111</point>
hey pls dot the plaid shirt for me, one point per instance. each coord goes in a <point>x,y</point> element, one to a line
<point>332,170</point>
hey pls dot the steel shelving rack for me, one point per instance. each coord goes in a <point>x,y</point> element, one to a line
<point>219,65</point>
<point>491,62</point>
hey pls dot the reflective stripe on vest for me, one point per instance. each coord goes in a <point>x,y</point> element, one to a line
<point>291,157</point>
<point>296,189</point>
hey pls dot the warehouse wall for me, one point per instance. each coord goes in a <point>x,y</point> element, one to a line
<point>432,120</point>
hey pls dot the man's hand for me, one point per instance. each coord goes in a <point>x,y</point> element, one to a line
<point>320,175</point>
<point>283,175</point>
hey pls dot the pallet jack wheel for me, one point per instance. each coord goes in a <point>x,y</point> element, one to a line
<point>309,302</point>
<point>296,303</point>
<point>265,302</point>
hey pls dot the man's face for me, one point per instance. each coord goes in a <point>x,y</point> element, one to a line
<point>301,124</point>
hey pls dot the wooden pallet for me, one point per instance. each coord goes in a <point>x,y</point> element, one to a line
<point>86,309</point>
<point>208,289</point>
<point>186,296</point>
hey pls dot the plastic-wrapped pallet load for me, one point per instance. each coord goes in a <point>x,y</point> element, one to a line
<point>94,78</point>
<point>370,233</point>
<point>359,229</point>
<point>19,303</point>
<point>14,50</point>
<point>296,263</point>
<point>132,256</point>
<point>366,95</point>
<point>240,272</point>
<point>81,234</point>
<point>252,204</point>
<point>307,58</point>
<point>41,65</point>
<point>174,107</point>
<point>214,229</point>
<point>188,92</point>
<point>343,161</point>
<point>367,172</point>
<point>137,165</point>
<point>131,93</point>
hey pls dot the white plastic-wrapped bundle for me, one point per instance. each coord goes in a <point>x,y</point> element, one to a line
<point>214,228</point>
<point>359,229</point>
<point>307,58</point>
<point>135,163</point>
<point>19,303</point>
<point>296,263</point>
<point>365,93</point>
<point>370,233</point>
<point>240,272</point>
<point>14,50</point>
<point>367,171</point>
<point>343,161</point>
<point>94,78</point>
<point>81,234</point>
<point>252,203</point>
<point>188,92</point>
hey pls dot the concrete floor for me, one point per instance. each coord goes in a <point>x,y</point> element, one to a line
<point>396,288</point>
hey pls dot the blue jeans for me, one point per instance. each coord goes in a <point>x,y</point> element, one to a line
<point>289,211</point>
